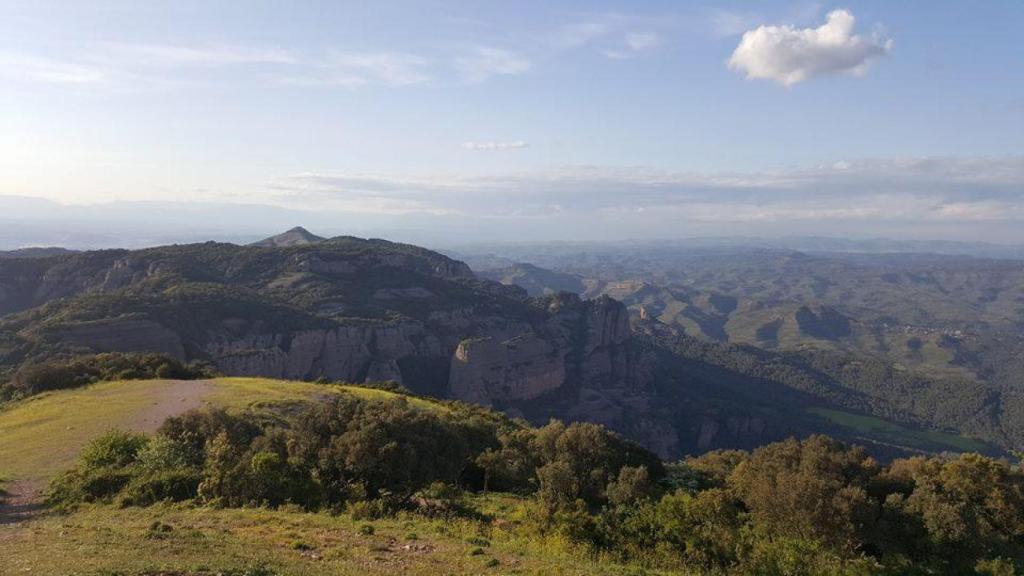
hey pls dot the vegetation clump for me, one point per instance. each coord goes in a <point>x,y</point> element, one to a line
<point>64,372</point>
<point>812,506</point>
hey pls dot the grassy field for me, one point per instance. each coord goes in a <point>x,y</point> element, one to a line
<point>43,435</point>
<point>899,435</point>
<point>178,539</point>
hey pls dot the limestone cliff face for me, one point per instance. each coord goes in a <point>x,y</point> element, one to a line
<point>352,353</point>
<point>488,370</point>
<point>583,343</point>
<point>125,334</point>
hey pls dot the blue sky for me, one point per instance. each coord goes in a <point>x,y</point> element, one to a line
<point>553,119</point>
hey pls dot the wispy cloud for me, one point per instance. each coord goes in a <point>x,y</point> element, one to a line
<point>912,189</point>
<point>633,44</point>
<point>493,146</point>
<point>204,56</point>
<point>357,69</point>
<point>726,23</point>
<point>482,62</point>
<point>638,41</point>
<point>790,55</point>
<point>20,66</point>
<point>134,66</point>
<point>617,36</point>
<point>584,32</point>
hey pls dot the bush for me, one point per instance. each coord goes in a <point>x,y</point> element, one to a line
<point>367,510</point>
<point>159,486</point>
<point>63,372</point>
<point>105,467</point>
<point>115,449</point>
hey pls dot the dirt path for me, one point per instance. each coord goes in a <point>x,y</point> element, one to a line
<point>178,397</point>
<point>20,501</point>
<point>24,497</point>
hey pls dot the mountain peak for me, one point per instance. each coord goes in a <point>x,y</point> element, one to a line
<point>297,236</point>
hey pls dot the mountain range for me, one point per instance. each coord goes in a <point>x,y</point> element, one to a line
<point>299,306</point>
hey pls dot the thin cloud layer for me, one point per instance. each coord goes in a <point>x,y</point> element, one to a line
<point>495,146</point>
<point>914,189</point>
<point>790,55</point>
<point>483,62</point>
<point>14,65</point>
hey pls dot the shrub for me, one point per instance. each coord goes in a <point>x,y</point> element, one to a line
<point>367,510</point>
<point>105,467</point>
<point>164,485</point>
<point>114,449</point>
<point>62,372</point>
<point>632,485</point>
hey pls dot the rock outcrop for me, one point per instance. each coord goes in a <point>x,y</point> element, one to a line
<point>356,353</point>
<point>124,334</point>
<point>583,343</point>
<point>488,371</point>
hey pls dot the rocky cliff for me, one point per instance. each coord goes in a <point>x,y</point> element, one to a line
<point>340,309</point>
<point>582,343</point>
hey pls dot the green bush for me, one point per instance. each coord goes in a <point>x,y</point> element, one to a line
<point>63,372</point>
<point>159,486</point>
<point>115,449</point>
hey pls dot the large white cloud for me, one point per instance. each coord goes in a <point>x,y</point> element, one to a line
<point>790,55</point>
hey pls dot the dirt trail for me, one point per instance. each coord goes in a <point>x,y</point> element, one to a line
<point>24,497</point>
<point>178,397</point>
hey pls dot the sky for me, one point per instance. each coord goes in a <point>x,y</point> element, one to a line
<point>527,120</point>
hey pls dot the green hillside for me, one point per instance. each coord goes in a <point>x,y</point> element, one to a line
<point>44,434</point>
<point>257,477</point>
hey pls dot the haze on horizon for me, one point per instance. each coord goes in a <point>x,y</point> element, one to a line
<point>473,121</point>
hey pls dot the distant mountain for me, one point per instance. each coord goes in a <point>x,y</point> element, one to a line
<point>535,280</point>
<point>35,252</point>
<point>367,310</point>
<point>297,236</point>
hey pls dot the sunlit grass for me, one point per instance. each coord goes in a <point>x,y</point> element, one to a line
<point>99,538</point>
<point>43,435</point>
<point>900,435</point>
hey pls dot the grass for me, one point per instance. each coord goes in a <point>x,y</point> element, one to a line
<point>246,393</point>
<point>43,435</point>
<point>177,539</point>
<point>900,435</point>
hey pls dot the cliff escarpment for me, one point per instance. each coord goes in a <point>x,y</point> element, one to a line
<point>338,309</point>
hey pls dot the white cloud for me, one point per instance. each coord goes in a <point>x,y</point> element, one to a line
<point>634,43</point>
<point>953,190</point>
<point>483,62</point>
<point>356,69</point>
<point>583,32</point>
<point>642,41</point>
<point>495,146</point>
<point>208,56</point>
<point>393,69</point>
<point>39,69</point>
<point>617,36</point>
<point>790,55</point>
